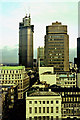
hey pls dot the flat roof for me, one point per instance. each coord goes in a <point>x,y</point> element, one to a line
<point>66,75</point>
<point>44,93</point>
<point>7,85</point>
<point>57,89</point>
<point>11,67</point>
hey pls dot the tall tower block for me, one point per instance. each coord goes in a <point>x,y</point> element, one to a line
<point>26,31</point>
<point>57,47</point>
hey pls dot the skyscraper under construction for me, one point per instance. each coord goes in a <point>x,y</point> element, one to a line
<point>57,47</point>
<point>26,31</point>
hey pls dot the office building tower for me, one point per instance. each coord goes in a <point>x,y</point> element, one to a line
<point>57,47</point>
<point>40,53</point>
<point>26,42</point>
<point>40,56</point>
<point>79,19</point>
<point>78,52</point>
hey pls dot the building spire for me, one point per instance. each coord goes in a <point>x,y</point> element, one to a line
<point>29,15</point>
<point>26,15</point>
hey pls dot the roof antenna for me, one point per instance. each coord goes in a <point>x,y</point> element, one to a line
<point>29,11</point>
<point>25,10</point>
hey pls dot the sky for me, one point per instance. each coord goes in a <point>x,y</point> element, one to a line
<point>43,13</point>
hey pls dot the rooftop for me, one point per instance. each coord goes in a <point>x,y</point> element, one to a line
<point>7,85</point>
<point>11,67</point>
<point>57,23</point>
<point>44,93</point>
<point>66,75</point>
<point>60,89</point>
<point>47,73</point>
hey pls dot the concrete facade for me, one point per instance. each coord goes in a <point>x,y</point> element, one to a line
<point>70,106</point>
<point>78,80</point>
<point>46,74</point>
<point>78,53</point>
<point>49,78</point>
<point>56,48</point>
<point>15,75</point>
<point>66,80</point>
<point>45,69</point>
<point>40,53</point>
<point>43,105</point>
<point>40,56</point>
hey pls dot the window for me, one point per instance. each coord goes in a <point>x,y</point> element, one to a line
<point>12,76</point>
<point>30,118</point>
<point>51,109</point>
<point>51,102</point>
<point>30,109</point>
<point>47,109</point>
<point>57,102</point>
<point>35,102</point>
<point>69,111</point>
<point>43,117</point>
<point>35,118</point>
<point>47,102</point>
<point>30,102</point>
<point>39,118</point>
<point>51,117</point>
<point>39,109</point>
<point>57,118</point>
<point>47,117</point>
<point>35,109</point>
<point>43,109</point>
<point>56,109</point>
<point>43,102</point>
<point>16,71</point>
<point>9,81</point>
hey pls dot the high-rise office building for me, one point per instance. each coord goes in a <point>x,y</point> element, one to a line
<point>78,52</point>
<point>57,47</point>
<point>40,52</point>
<point>40,56</point>
<point>26,42</point>
<point>79,19</point>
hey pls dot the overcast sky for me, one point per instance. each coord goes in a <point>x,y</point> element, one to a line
<point>42,14</point>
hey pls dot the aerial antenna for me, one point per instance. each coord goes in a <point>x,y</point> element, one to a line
<point>29,10</point>
<point>25,10</point>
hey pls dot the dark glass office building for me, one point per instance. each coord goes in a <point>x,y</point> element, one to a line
<point>78,52</point>
<point>26,31</point>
